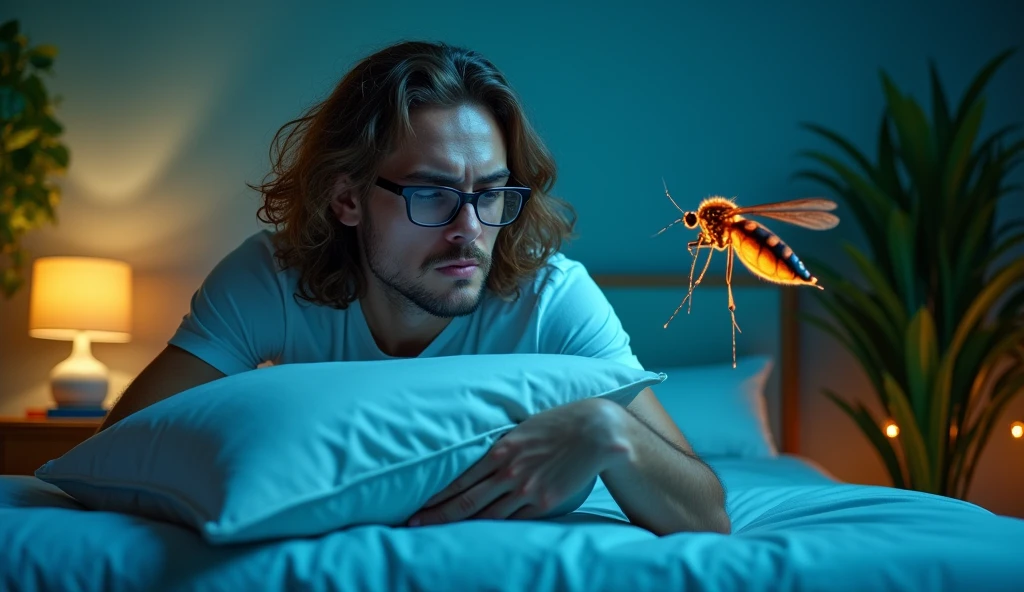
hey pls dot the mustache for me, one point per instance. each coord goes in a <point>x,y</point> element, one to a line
<point>457,253</point>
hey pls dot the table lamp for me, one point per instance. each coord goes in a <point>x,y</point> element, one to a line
<point>83,300</point>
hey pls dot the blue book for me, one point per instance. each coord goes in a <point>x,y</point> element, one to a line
<point>76,412</point>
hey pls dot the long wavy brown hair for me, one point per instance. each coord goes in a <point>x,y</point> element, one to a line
<point>356,127</point>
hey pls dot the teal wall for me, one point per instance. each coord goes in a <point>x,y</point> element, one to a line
<point>170,108</point>
<point>709,97</point>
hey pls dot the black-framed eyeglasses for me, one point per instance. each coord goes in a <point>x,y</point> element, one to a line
<point>433,205</point>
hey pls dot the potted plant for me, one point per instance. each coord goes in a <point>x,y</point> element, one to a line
<point>30,152</point>
<point>935,318</point>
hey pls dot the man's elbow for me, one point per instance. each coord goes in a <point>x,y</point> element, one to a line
<point>715,520</point>
<point>718,521</point>
<point>713,517</point>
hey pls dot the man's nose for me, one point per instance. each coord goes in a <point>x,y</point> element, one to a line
<point>466,226</point>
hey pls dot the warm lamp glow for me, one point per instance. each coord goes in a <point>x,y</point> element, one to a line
<point>74,294</point>
<point>891,429</point>
<point>80,299</point>
<point>1017,429</point>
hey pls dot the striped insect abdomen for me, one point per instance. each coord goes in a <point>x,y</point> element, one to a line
<point>766,256</point>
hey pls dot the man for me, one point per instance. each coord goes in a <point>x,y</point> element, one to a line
<point>414,219</point>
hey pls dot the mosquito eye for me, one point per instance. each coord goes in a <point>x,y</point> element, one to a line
<point>690,219</point>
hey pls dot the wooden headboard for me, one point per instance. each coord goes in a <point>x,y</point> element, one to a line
<point>766,314</point>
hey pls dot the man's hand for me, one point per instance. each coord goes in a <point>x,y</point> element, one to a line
<point>534,467</point>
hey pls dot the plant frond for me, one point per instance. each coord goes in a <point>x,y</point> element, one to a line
<point>978,84</point>
<point>941,120</point>
<point>1011,387</point>
<point>888,178</point>
<point>959,157</point>
<point>922,359</point>
<point>873,431</point>
<point>915,452</point>
<point>914,136</point>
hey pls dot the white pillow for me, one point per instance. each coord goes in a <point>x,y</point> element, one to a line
<point>304,449</point>
<point>721,410</point>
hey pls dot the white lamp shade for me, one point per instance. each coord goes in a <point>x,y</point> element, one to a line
<point>81,294</point>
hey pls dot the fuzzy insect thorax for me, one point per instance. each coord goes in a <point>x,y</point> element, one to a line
<point>715,220</point>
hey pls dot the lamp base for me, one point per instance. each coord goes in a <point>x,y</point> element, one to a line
<point>80,380</point>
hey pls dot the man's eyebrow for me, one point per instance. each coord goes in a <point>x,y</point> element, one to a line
<point>436,178</point>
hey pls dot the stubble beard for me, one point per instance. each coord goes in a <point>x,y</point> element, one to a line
<point>407,293</point>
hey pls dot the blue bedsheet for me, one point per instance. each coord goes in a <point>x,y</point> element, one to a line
<point>794,528</point>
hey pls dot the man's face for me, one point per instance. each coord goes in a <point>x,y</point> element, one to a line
<point>440,270</point>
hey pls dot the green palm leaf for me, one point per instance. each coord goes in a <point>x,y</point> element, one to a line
<point>862,188</point>
<point>1012,308</point>
<point>859,303</point>
<point>948,290</point>
<point>865,218</point>
<point>987,148</point>
<point>934,311</point>
<point>866,362</point>
<point>855,331</point>
<point>888,177</point>
<point>901,253</point>
<point>914,137</point>
<point>922,358</point>
<point>871,428</point>
<point>969,247</point>
<point>1001,398</point>
<point>915,451</point>
<point>1007,228</point>
<point>982,303</point>
<point>982,353</point>
<point>845,145</point>
<point>940,111</point>
<point>1003,248</point>
<point>879,285</point>
<point>958,160</point>
<point>970,367</point>
<point>979,83</point>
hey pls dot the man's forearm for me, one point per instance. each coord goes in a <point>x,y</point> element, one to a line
<point>661,488</point>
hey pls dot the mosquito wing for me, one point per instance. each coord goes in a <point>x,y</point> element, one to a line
<point>812,220</point>
<point>813,204</point>
<point>810,213</point>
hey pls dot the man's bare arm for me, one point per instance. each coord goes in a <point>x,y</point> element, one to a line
<point>172,371</point>
<point>662,485</point>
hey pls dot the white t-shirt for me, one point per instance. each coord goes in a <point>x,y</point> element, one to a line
<point>245,314</point>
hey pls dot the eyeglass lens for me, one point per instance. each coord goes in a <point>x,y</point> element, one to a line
<point>434,206</point>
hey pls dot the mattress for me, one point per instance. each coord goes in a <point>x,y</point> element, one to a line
<point>794,528</point>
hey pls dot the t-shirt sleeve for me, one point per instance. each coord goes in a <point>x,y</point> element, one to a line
<point>576,318</point>
<point>236,318</point>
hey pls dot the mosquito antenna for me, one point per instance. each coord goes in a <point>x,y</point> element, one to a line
<point>674,222</point>
<point>670,196</point>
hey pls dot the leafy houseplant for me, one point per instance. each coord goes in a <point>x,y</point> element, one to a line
<point>938,322</point>
<point>30,152</point>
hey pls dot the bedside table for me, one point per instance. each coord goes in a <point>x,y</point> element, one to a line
<point>28,443</point>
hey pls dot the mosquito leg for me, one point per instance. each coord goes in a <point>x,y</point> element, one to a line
<point>688,296</point>
<point>693,266</point>
<point>689,293</point>
<point>674,313</point>
<point>693,284</point>
<point>728,283</point>
<point>705,270</point>
<point>732,303</point>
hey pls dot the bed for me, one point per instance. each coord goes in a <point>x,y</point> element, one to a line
<point>794,526</point>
